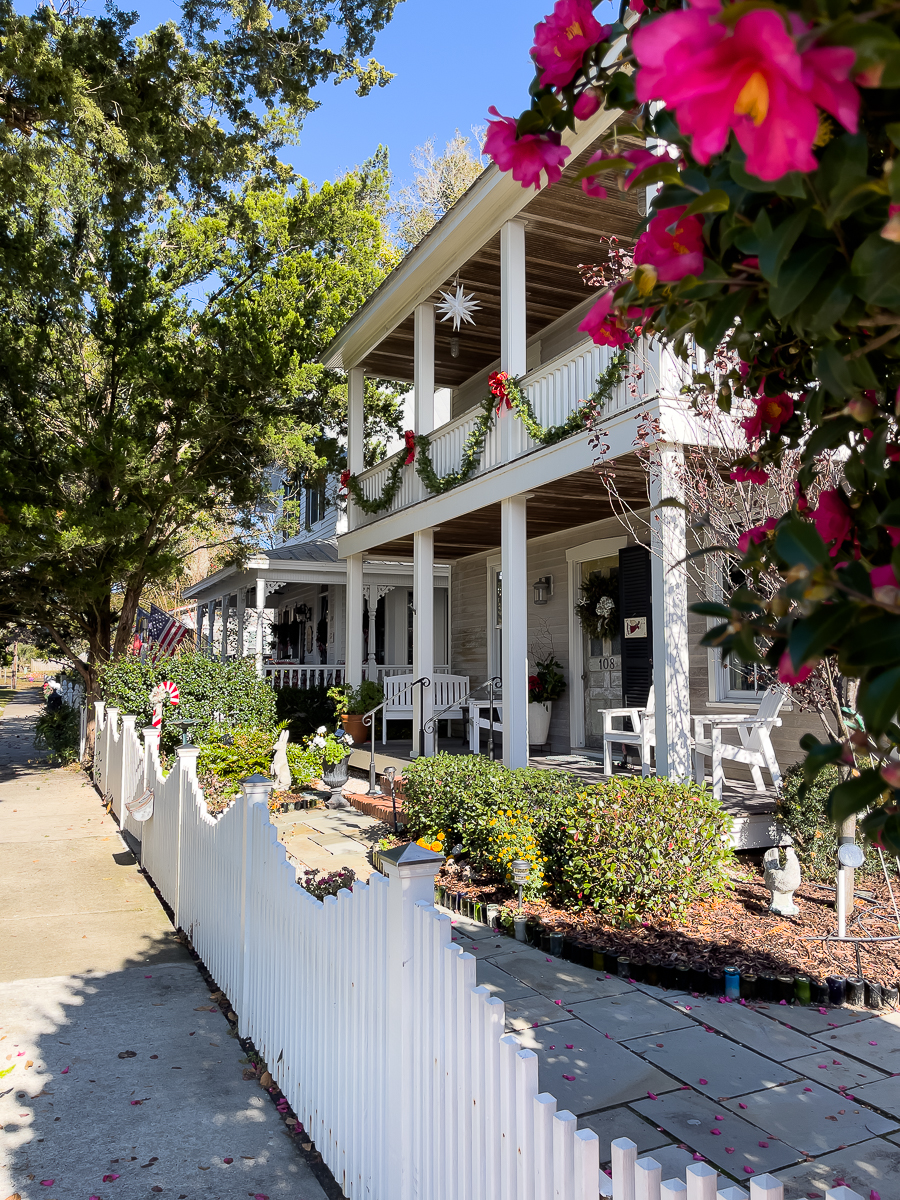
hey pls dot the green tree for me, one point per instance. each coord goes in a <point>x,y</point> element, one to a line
<point>166,285</point>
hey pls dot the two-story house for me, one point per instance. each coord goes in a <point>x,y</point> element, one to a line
<point>531,528</point>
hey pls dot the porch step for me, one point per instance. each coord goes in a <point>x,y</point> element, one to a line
<point>360,759</point>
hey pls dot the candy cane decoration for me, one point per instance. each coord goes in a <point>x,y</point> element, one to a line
<point>166,691</point>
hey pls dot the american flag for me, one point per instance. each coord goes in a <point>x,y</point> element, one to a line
<point>165,630</point>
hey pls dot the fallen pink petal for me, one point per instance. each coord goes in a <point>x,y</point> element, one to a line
<point>703,1081</point>
<point>764,1145</point>
<point>64,1071</point>
<point>109,1178</point>
<point>570,1047</point>
<point>653,1096</point>
<point>729,1149</point>
<point>748,1170</point>
<point>571,1078</point>
<point>741,1105</point>
<point>873,1043</point>
<point>716,1132</point>
<point>47,1182</point>
<point>698,1157</point>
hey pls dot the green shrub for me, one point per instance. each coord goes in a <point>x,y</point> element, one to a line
<point>802,812</point>
<point>207,687</point>
<point>362,699</point>
<point>59,734</point>
<point>250,752</point>
<point>640,847</point>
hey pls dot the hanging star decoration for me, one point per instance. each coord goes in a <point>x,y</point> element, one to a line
<point>459,307</point>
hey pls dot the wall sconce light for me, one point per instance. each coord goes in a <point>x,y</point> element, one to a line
<point>454,347</point>
<point>543,589</point>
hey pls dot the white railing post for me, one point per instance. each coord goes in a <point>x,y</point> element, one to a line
<point>410,870</point>
<point>673,1189</point>
<point>150,734</point>
<point>256,790</point>
<point>564,1154</point>
<point>544,1108</point>
<point>187,775</point>
<point>587,1164</point>
<point>526,1092</point>
<point>647,1179</point>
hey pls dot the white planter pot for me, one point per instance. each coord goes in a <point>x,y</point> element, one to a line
<point>539,722</point>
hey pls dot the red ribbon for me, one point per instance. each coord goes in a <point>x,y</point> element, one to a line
<point>345,479</point>
<point>497,383</point>
<point>410,438</point>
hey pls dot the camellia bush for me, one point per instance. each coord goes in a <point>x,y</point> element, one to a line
<point>771,133</point>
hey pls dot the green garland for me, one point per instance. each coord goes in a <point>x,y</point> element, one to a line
<point>473,447</point>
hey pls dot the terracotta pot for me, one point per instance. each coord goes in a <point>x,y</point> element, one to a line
<point>353,724</point>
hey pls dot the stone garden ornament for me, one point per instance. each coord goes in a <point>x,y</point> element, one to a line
<point>782,881</point>
<point>281,771</point>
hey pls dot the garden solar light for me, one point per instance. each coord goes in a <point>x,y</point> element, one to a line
<point>521,869</point>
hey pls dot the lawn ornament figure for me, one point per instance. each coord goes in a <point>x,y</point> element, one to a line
<point>281,771</point>
<point>782,881</point>
<point>166,692</point>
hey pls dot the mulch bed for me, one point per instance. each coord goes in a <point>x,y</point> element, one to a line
<point>734,929</point>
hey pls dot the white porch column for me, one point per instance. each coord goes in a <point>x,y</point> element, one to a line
<point>513,329</point>
<point>198,626</point>
<point>423,634</point>
<point>671,667</point>
<point>260,623</point>
<point>354,610</point>
<point>356,384</point>
<point>211,618</point>
<point>241,602</point>
<point>423,367</point>
<point>226,608</point>
<point>514,633</point>
<point>370,595</point>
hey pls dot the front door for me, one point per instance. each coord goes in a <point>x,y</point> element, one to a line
<point>602,651</point>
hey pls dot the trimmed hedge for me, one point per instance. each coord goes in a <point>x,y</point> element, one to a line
<point>206,686</point>
<point>626,848</point>
<point>802,812</point>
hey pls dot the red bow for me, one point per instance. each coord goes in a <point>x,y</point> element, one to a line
<point>410,438</point>
<point>497,383</point>
<point>345,479</point>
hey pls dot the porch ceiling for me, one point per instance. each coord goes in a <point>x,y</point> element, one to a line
<point>566,503</point>
<point>562,230</point>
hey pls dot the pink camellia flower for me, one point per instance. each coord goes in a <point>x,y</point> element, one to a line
<point>788,673</point>
<point>525,156</point>
<point>891,231</point>
<point>832,519</point>
<point>606,328</point>
<point>884,576</point>
<point>672,244</point>
<point>752,80</point>
<point>753,537</point>
<point>637,6</point>
<point>638,155</point>
<point>771,413</point>
<point>750,475</point>
<point>561,39</point>
<point>586,105</point>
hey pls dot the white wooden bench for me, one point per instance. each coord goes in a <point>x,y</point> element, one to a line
<point>447,692</point>
<point>477,722</point>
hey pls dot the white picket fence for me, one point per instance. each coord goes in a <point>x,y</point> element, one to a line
<point>366,1013</point>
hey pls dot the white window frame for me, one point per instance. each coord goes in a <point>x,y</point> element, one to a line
<point>721,693</point>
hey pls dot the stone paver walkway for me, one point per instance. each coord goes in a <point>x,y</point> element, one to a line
<point>327,839</point>
<point>111,1060</point>
<point>812,1095</point>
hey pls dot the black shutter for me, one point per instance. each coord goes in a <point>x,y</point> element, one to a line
<point>634,602</point>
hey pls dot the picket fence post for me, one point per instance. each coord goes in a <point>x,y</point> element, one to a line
<point>187,775</point>
<point>411,871</point>
<point>256,789</point>
<point>151,741</point>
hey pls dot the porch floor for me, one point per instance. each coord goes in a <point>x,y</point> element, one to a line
<point>755,825</point>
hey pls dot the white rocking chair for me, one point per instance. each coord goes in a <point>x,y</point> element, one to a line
<point>755,750</point>
<point>642,733</point>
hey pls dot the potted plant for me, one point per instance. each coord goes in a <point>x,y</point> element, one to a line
<point>334,751</point>
<point>546,685</point>
<point>352,703</point>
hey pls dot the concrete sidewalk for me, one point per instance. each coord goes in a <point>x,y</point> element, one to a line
<point>114,1061</point>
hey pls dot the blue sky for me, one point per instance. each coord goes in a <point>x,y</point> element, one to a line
<point>450,60</point>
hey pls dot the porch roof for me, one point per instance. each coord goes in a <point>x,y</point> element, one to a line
<point>565,503</point>
<point>562,228</point>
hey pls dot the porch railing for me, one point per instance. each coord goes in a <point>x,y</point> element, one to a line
<point>297,675</point>
<point>554,390</point>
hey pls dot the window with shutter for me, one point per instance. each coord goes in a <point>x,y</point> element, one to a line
<point>635,623</point>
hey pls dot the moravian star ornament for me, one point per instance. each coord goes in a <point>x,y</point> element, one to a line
<point>459,307</point>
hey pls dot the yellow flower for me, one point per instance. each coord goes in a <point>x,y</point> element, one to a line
<point>441,836</point>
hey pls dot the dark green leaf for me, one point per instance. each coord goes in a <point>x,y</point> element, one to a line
<point>879,700</point>
<point>797,278</point>
<point>774,249</point>
<point>812,636</point>
<point>721,319</point>
<point>714,201</point>
<point>855,795</point>
<point>876,271</point>
<point>832,369</point>
<point>706,608</point>
<point>799,542</point>
<point>875,642</point>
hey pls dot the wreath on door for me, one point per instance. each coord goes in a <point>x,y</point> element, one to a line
<point>597,609</point>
